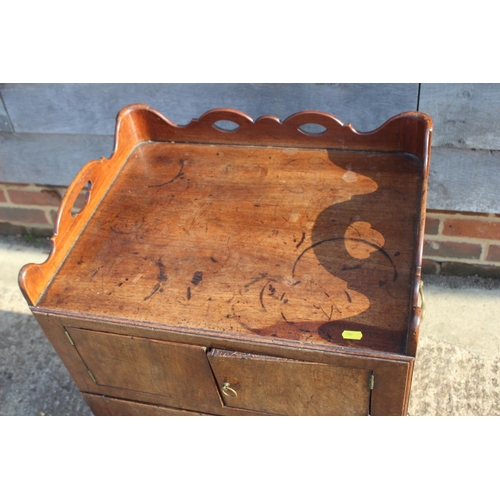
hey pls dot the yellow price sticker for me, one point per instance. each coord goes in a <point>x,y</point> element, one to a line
<point>352,335</point>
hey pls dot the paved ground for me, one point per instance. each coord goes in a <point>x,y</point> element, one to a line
<point>457,367</point>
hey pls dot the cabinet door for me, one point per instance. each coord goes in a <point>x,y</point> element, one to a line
<point>140,369</point>
<point>287,387</point>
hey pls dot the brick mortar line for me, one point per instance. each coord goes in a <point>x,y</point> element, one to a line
<point>484,251</point>
<point>459,239</point>
<point>440,226</point>
<point>473,218</point>
<point>37,207</point>
<point>462,261</point>
<point>481,215</point>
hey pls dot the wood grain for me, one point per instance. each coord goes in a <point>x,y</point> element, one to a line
<point>104,406</point>
<point>252,249</point>
<point>285,387</point>
<point>132,128</point>
<point>392,375</point>
<point>264,237</point>
<point>179,373</point>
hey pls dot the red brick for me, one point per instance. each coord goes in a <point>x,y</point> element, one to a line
<point>430,267</point>
<point>431,225</point>
<point>472,228</point>
<point>80,200</point>
<point>451,249</point>
<point>493,253</point>
<point>53,216</point>
<point>23,215</point>
<point>42,198</point>
<point>2,196</point>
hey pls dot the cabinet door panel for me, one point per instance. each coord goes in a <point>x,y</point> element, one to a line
<point>287,387</point>
<point>178,372</point>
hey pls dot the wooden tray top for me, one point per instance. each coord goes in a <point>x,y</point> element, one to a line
<point>292,240</point>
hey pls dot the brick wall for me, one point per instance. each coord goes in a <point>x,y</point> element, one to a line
<point>31,209</point>
<point>456,243</point>
<point>462,243</point>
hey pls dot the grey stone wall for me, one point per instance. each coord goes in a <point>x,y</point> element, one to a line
<point>49,131</point>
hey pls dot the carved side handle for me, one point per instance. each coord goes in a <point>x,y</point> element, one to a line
<point>89,175</point>
<point>133,126</point>
<point>34,278</point>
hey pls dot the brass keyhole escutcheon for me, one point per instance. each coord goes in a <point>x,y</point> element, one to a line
<point>228,391</point>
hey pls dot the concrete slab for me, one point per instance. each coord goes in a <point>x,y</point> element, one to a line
<point>457,365</point>
<point>33,380</point>
<point>456,371</point>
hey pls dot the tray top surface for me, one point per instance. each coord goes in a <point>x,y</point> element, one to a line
<point>278,242</point>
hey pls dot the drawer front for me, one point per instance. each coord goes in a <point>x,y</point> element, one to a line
<point>287,387</point>
<point>105,406</point>
<point>147,370</point>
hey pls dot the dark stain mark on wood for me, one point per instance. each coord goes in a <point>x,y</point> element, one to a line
<point>119,231</point>
<point>197,277</point>
<point>328,240</point>
<point>348,296</point>
<point>213,260</point>
<point>271,289</point>
<point>255,280</point>
<point>261,296</point>
<point>134,229</point>
<point>95,272</point>
<point>153,291</point>
<point>281,298</point>
<point>301,240</point>
<point>397,254</point>
<point>327,295</point>
<point>188,293</point>
<point>179,174</point>
<point>329,316</point>
<point>289,322</point>
<point>161,271</point>
<point>296,283</point>
<point>382,283</point>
